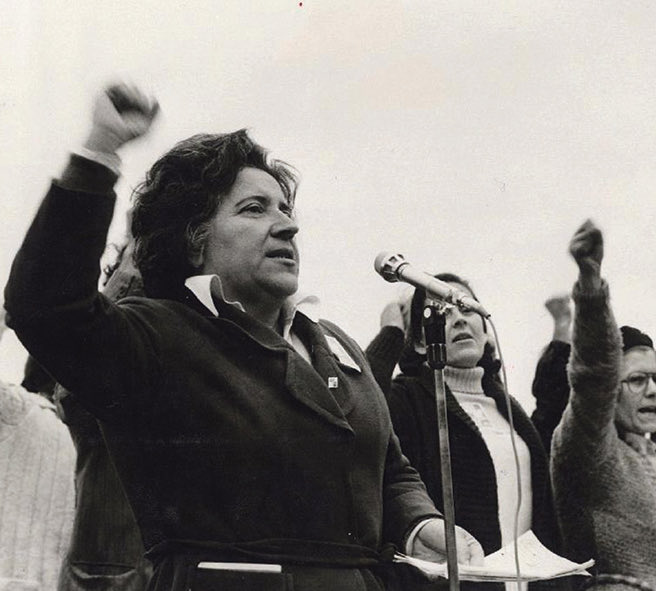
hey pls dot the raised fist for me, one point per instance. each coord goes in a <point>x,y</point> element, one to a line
<point>397,313</point>
<point>121,113</point>
<point>587,248</point>
<point>559,306</point>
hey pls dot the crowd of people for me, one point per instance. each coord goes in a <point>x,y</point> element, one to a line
<point>223,436</point>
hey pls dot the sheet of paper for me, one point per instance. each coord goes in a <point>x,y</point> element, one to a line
<point>536,562</point>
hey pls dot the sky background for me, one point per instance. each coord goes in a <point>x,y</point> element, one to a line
<point>471,137</point>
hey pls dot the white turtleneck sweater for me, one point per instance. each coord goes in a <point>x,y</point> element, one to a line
<point>466,386</point>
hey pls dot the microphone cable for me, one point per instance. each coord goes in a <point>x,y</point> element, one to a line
<point>515,453</point>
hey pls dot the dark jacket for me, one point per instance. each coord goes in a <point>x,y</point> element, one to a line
<point>106,551</point>
<point>229,445</point>
<point>550,389</point>
<point>411,399</point>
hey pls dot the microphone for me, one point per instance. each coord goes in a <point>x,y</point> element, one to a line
<point>393,267</point>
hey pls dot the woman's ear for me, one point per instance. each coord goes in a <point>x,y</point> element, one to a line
<point>196,257</point>
<point>196,240</point>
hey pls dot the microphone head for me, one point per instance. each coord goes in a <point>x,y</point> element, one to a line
<point>387,265</point>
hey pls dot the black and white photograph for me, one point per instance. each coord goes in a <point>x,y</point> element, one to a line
<point>327,296</point>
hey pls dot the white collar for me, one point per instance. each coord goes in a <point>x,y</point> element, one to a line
<point>208,287</point>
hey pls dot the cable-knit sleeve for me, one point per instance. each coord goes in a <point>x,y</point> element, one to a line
<point>587,428</point>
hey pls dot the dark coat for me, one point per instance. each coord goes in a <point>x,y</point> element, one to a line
<point>550,389</point>
<point>106,552</point>
<point>411,400</point>
<point>229,445</point>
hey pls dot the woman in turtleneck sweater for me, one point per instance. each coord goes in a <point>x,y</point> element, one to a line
<point>483,467</point>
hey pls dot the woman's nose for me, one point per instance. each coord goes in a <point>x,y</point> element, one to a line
<point>458,318</point>
<point>285,227</point>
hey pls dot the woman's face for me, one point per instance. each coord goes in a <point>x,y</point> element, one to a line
<point>465,336</point>
<point>636,405</point>
<point>251,242</point>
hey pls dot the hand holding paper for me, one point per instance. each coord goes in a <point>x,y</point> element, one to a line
<point>430,544</point>
<point>536,563</point>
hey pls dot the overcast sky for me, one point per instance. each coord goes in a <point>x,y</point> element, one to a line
<point>471,137</point>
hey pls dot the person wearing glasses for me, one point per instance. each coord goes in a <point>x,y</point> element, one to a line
<point>605,490</point>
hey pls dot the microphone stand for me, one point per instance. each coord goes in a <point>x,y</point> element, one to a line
<point>434,322</point>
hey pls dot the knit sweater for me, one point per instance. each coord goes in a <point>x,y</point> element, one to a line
<point>605,491</point>
<point>37,495</point>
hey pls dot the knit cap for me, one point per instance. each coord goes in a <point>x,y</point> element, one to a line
<point>632,337</point>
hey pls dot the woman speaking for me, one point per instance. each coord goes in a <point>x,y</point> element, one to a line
<point>251,439</point>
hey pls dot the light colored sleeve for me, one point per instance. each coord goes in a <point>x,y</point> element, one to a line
<point>587,426</point>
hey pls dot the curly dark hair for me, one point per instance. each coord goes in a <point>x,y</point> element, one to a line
<point>173,207</point>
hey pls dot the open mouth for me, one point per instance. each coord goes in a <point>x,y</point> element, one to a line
<point>461,337</point>
<point>282,253</point>
<point>648,410</point>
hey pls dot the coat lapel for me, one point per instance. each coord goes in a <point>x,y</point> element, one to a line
<point>302,380</point>
<point>325,363</point>
<point>308,387</point>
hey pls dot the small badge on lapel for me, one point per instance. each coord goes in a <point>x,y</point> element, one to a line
<point>333,382</point>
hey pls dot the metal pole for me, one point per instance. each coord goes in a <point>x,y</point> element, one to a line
<point>434,331</point>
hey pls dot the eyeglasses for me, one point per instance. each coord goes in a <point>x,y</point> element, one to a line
<point>638,382</point>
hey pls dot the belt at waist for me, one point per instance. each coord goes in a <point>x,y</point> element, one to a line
<point>280,551</point>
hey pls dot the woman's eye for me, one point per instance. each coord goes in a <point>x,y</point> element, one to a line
<point>287,210</point>
<point>637,380</point>
<point>253,208</point>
